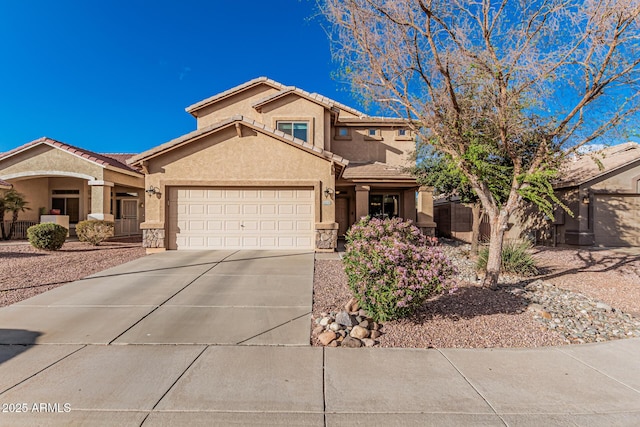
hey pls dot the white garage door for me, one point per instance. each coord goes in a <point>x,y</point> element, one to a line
<point>241,218</point>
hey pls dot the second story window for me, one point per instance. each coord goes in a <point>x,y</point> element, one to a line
<point>296,129</point>
<point>373,134</point>
<point>342,133</point>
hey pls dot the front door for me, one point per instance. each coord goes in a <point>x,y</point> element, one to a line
<point>342,215</point>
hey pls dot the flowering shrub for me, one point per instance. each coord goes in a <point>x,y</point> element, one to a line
<point>393,268</point>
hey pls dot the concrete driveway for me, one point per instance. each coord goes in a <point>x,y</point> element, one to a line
<point>176,297</point>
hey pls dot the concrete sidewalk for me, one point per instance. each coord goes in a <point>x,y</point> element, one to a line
<point>166,385</point>
<point>222,338</point>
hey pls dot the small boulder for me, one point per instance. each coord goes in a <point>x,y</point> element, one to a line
<point>352,305</point>
<point>333,343</point>
<point>359,332</point>
<point>317,330</point>
<point>335,326</point>
<point>374,326</point>
<point>375,334</point>
<point>326,337</point>
<point>325,321</point>
<point>368,342</point>
<point>364,324</point>
<point>345,319</point>
<point>362,313</point>
<point>351,342</point>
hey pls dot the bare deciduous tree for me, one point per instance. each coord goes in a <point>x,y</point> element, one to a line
<point>536,78</point>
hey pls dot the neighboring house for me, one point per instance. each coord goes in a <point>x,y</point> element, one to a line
<point>602,190</point>
<point>275,167</point>
<point>75,182</point>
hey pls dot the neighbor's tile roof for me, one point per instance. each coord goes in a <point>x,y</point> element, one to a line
<point>100,159</point>
<point>585,167</point>
<point>375,170</point>
<point>207,130</point>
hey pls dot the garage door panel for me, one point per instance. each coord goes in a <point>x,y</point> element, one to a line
<point>215,209</point>
<point>616,220</point>
<point>239,218</point>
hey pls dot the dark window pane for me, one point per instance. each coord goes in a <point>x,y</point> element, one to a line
<point>285,127</point>
<point>300,131</point>
<point>58,204</point>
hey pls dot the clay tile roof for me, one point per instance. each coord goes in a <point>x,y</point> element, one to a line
<point>207,130</point>
<point>375,170</point>
<point>585,167</point>
<point>200,104</point>
<point>101,159</point>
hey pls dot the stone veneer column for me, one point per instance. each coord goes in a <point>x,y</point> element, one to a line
<point>326,237</point>
<point>424,221</point>
<point>101,200</point>
<point>362,201</point>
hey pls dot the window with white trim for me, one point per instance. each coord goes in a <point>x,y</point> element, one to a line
<point>297,129</point>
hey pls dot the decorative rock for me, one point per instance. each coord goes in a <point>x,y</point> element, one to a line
<point>364,324</point>
<point>368,342</point>
<point>603,306</point>
<point>335,327</point>
<point>362,313</point>
<point>345,319</point>
<point>317,330</point>
<point>352,305</point>
<point>326,337</point>
<point>374,326</point>
<point>333,343</point>
<point>359,332</point>
<point>325,321</point>
<point>359,319</point>
<point>545,315</point>
<point>351,342</point>
<point>375,334</point>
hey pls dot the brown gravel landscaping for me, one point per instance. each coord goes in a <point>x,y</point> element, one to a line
<point>26,271</point>
<point>474,317</point>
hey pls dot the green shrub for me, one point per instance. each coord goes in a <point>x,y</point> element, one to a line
<point>47,236</point>
<point>392,268</point>
<point>94,232</point>
<point>516,258</point>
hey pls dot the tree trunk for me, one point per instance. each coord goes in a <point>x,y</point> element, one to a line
<point>475,227</point>
<point>498,227</point>
<point>2,232</point>
<point>14,219</point>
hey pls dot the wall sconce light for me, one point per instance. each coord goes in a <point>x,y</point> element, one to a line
<point>328,192</point>
<point>152,191</point>
<point>585,200</point>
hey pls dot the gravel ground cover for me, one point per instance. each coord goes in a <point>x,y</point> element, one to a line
<point>26,271</point>
<point>474,317</point>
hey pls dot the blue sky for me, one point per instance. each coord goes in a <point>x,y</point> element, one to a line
<point>116,76</point>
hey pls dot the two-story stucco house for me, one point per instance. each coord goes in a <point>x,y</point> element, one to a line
<point>275,167</point>
<point>268,167</point>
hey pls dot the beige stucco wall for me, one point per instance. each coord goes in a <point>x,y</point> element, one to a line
<point>124,179</point>
<point>239,103</point>
<point>292,107</point>
<point>36,192</point>
<point>360,148</point>
<point>46,158</point>
<point>622,180</point>
<point>225,159</point>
